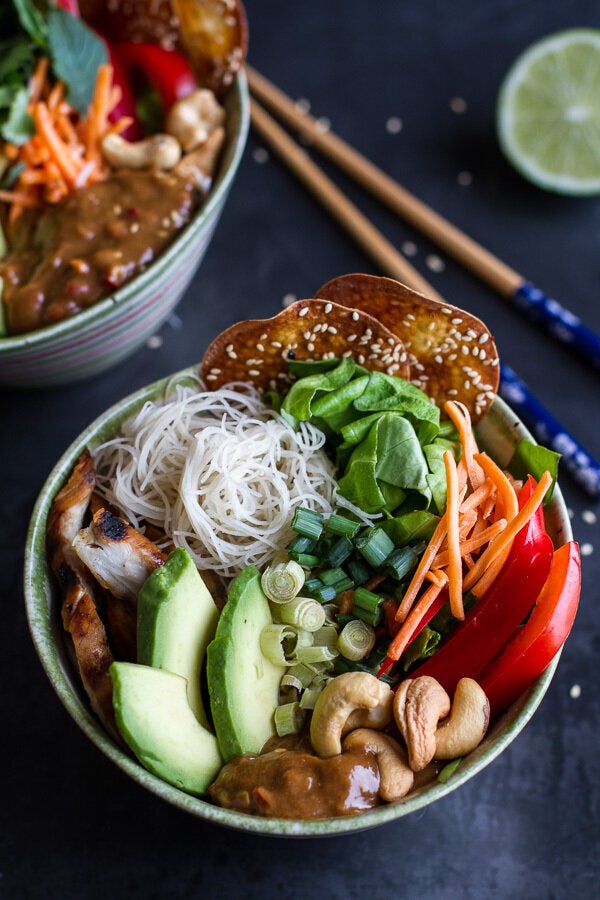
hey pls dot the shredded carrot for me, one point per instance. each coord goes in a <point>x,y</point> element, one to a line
<point>402,638</point>
<point>496,547</point>
<point>65,153</point>
<point>472,538</point>
<point>453,538</point>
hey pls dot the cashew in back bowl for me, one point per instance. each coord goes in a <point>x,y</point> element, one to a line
<point>160,151</point>
<point>337,701</point>
<point>194,117</point>
<point>395,775</point>
<point>419,706</point>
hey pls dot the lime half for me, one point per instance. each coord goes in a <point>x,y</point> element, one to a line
<point>548,114</point>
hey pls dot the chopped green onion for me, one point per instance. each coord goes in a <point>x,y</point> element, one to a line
<point>310,695</point>
<point>315,654</point>
<point>375,545</point>
<point>339,552</point>
<point>312,584</point>
<point>283,581</point>
<point>344,584</point>
<point>278,643</point>
<point>358,570</point>
<point>330,576</point>
<point>302,544</point>
<point>324,593</point>
<point>356,640</point>
<point>449,770</point>
<point>304,613</point>
<point>326,636</point>
<point>367,599</point>
<point>308,560</point>
<point>401,561</point>
<point>290,681</point>
<point>289,719</point>
<point>307,522</point>
<point>301,673</point>
<point>372,616</point>
<point>340,525</point>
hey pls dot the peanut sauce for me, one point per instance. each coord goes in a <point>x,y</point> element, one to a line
<point>73,254</point>
<point>295,784</point>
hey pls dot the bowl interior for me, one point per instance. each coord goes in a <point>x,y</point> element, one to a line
<point>499,432</point>
<point>237,108</point>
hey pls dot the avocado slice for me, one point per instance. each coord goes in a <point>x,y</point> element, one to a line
<point>176,619</point>
<point>154,717</point>
<point>243,685</point>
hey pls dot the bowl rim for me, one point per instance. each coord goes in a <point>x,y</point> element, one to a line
<point>46,633</point>
<point>129,292</point>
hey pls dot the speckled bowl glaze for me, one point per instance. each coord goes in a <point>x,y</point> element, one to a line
<point>105,334</point>
<point>498,433</point>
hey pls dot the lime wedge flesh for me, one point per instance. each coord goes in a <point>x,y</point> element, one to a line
<point>548,113</point>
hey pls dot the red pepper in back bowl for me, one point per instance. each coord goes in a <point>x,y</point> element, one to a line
<point>168,71</point>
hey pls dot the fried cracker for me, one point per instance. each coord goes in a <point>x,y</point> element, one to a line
<point>452,354</point>
<point>256,351</point>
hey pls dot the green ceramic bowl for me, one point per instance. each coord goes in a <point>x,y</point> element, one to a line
<point>498,433</point>
<point>105,334</point>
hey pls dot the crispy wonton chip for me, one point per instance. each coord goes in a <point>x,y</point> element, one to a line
<point>452,354</point>
<point>256,351</point>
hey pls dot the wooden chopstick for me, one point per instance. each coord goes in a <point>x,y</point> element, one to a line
<point>584,469</point>
<point>557,321</point>
<point>449,238</point>
<point>338,205</point>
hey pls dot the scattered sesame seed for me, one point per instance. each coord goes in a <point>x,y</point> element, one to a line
<point>323,124</point>
<point>260,155</point>
<point>393,125</point>
<point>288,300</point>
<point>589,517</point>
<point>332,329</point>
<point>303,105</point>
<point>575,692</point>
<point>435,263</point>
<point>328,308</point>
<point>276,344</point>
<point>458,105</point>
<point>464,179</point>
<point>587,549</point>
<point>303,311</point>
<point>310,347</point>
<point>355,316</point>
<point>154,342</point>
<point>409,248</point>
<point>254,373</point>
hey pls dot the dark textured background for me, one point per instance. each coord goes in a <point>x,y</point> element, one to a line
<point>72,825</point>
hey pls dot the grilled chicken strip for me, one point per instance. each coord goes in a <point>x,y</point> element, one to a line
<point>119,557</point>
<point>79,609</point>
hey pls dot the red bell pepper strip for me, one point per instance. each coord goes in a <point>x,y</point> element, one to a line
<point>126,106</point>
<point>498,613</point>
<point>532,648</point>
<point>168,71</point>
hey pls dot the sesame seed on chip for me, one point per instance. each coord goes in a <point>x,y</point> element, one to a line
<point>300,332</point>
<point>438,338</point>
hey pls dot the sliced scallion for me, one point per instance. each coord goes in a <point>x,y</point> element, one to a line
<point>300,672</point>
<point>340,525</point>
<point>310,695</point>
<point>449,769</point>
<point>344,584</point>
<point>374,545</point>
<point>303,612</point>
<point>358,570</point>
<point>278,643</point>
<point>367,599</point>
<point>308,560</point>
<point>356,640</point>
<point>289,718</point>
<point>326,636</point>
<point>302,544</point>
<point>307,522</point>
<point>339,552</point>
<point>315,654</point>
<point>330,576</point>
<point>283,582</point>
<point>324,593</point>
<point>400,562</point>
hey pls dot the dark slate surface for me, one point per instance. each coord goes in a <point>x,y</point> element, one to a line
<point>73,825</point>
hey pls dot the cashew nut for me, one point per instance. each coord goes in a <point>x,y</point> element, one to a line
<point>160,151</point>
<point>338,699</point>
<point>194,117</point>
<point>377,717</point>
<point>395,775</point>
<point>419,704</point>
<point>199,165</point>
<point>467,723</point>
